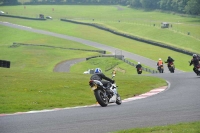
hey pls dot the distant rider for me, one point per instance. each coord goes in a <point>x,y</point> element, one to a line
<point>138,66</point>
<point>160,62</point>
<point>169,61</point>
<point>98,75</point>
<point>195,61</point>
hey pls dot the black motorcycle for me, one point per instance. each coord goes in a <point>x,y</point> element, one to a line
<point>171,67</point>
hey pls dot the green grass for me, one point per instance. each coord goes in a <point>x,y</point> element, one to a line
<point>169,36</point>
<point>25,91</point>
<point>192,127</point>
<point>110,15</point>
<point>139,21</point>
<point>30,83</point>
<point>37,58</point>
<point>90,33</point>
<point>105,63</point>
<point>34,59</point>
<point>29,62</point>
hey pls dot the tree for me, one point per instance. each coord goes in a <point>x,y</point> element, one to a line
<point>145,3</point>
<point>34,1</point>
<point>181,5</point>
<point>135,3</point>
<point>149,4</point>
<point>10,2</point>
<point>165,4</point>
<point>193,7</point>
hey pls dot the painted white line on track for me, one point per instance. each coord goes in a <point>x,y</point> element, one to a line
<point>145,95</point>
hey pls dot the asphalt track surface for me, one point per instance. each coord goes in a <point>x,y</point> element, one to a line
<point>180,102</point>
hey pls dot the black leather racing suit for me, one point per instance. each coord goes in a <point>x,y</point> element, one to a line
<point>169,61</point>
<point>138,66</point>
<point>100,77</point>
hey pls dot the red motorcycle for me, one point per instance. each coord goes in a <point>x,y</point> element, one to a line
<point>139,70</point>
<point>197,69</point>
<point>171,67</point>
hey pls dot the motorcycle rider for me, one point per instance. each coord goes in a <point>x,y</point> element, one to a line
<point>160,62</point>
<point>195,61</point>
<point>169,61</point>
<point>98,75</point>
<point>138,66</point>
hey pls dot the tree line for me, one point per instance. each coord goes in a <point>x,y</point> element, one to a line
<point>181,6</point>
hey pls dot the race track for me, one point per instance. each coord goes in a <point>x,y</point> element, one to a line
<point>178,103</point>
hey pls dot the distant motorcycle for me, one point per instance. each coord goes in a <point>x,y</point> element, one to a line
<point>197,69</point>
<point>161,69</point>
<point>171,67</point>
<point>139,70</point>
<point>102,97</point>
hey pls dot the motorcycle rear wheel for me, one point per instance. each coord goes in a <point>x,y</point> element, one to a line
<point>101,98</point>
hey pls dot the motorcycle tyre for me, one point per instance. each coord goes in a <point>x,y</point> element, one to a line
<point>171,69</point>
<point>139,72</point>
<point>99,94</point>
<point>162,70</point>
<point>118,102</point>
<point>197,72</point>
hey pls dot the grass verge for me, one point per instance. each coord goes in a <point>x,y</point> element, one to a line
<point>192,127</point>
<point>135,22</point>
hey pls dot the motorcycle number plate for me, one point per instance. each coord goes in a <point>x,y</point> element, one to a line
<point>199,69</point>
<point>94,87</point>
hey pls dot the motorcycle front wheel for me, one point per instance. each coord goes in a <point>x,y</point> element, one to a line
<point>139,72</point>
<point>172,69</point>
<point>101,97</point>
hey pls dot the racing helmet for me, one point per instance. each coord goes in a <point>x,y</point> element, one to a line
<point>97,70</point>
<point>138,62</point>
<point>159,59</point>
<point>194,55</point>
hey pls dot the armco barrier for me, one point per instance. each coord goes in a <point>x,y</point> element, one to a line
<point>133,37</point>
<point>4,63</point>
